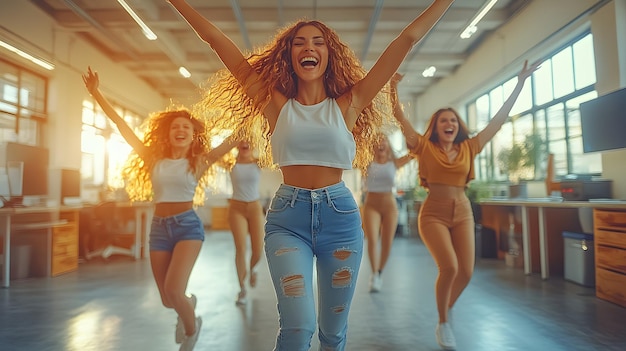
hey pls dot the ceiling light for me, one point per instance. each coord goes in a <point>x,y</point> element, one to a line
<point>184,72</point>
<point>472,27</point>
<point>429,72</point>
<point>45,64</point>
<point>144,27</point>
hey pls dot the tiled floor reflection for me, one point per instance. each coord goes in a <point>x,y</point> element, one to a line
<point>114,306</point>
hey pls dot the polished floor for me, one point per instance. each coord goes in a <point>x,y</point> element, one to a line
<point>114,305</point>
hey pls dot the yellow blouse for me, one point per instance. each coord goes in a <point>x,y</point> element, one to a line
<point>435,168</point>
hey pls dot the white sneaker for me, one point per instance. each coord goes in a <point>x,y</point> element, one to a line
<point>241,298</point>
<point>190,341</point>
<point>180,327</point>
<point>445,336</point>
<point>376,283</point>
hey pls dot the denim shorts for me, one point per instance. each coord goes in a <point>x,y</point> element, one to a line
<point>166,232</point>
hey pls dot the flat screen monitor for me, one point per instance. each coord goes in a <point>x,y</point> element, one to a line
<point>70,183</point>
<point>35,168</point>
<point>603,122</point>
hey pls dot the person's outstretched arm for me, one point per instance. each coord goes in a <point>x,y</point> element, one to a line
<point>390,60</point>
<point>485,135</point>
<point>222,149</point>
<point>410,135</point>
<point>224,47</point>
<point>402,161</point>
<point>92,82</point>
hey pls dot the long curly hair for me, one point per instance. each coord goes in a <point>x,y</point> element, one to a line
<point>226,105</point>
<point>431,130</point>
<point>137,170</point>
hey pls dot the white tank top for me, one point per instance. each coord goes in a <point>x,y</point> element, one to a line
<point>312,135</point>
<point>245,178</point>
<point>172,181</point>
<point>380,177</point>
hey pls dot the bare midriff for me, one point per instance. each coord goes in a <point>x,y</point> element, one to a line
<point>311,177</point>
<point>167,209</point>
<point>442,191</point>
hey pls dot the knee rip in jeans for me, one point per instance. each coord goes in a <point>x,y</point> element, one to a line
<point>293,285</point>
<point>342,278</point>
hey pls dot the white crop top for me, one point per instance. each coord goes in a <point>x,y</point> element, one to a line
<point>172,181</point>
<point>380,177</point>
<point>312,135</point>
<point>245,178</point>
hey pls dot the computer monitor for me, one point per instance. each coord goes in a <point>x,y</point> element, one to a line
<point>15,171</point>
<point>34,160</point>
<point>70,186</point>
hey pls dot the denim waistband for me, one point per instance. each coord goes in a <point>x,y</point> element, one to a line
<point>175,218</point>
<point>313,195</point>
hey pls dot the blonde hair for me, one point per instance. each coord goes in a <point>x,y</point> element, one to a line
<point>137,170</point>
<point>227,106</point>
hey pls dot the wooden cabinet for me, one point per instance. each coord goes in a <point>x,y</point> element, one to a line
<point>64,255</point>
<point>610,255</point>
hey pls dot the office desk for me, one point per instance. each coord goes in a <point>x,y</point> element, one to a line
<point>541,205</point>
<point>23,219</point>
<point>143,218</point>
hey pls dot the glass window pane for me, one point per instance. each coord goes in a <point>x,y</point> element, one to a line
<point>7,127</point>
<point>559,149</point>
<point>523,127</point>
<point>33,92</point>
<point>556,122</point>
<point>88,114</point>
<point>100,119</point>
<point>584,163</point>
<point>584,62</point>
<point>496,100</point>
<point>542,79</point>
<point>28,132</point>
<point>563,72</point>
<point>482,112</point>
<point>524,101</point>
<point>472,117</point>
<point>573,113</point>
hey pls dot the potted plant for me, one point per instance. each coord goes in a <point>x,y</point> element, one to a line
<point>519,162</point>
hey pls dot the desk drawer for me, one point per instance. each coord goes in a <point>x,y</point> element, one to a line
<point>610,219</point>
<point>611,258</point>
<point>611,286</point>
<point>610,238</point>
<point>63,264</point>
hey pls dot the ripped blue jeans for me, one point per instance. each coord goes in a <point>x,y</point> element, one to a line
<point>306,226</point>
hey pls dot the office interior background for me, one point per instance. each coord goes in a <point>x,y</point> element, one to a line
<point>582,43</point>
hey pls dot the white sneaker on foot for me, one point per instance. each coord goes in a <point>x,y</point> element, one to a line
<point>190,340</point>
<point>445,336</point>
<point>180,327</point>
<point>241,298</point>
<point>376,283</point>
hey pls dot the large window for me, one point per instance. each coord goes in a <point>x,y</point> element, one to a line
<point>104,150</point>
<point>23,110</point>
<point>547,107</point>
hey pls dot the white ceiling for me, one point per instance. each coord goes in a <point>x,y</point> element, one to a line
<point>366,25</point>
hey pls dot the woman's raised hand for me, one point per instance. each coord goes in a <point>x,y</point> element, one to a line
<point>527,71</point>
<point>91,80</point>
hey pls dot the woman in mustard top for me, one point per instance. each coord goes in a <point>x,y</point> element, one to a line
<point>446,155</point>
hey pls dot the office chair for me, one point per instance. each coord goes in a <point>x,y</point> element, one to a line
<point>104,232</point>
